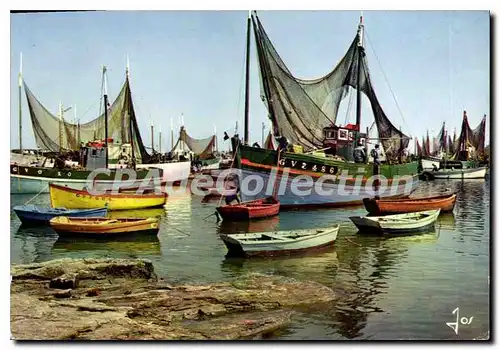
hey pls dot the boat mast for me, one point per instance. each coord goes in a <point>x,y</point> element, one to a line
<point>358,72</point>
<point>159,141</point>
<point>105,113</point>
<point>247,78</point>
<point>20,104</point>
<point>171,134</point>
<point>152,135</point>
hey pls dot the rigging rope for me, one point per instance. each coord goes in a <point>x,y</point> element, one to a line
<point>36,195</point>
<point>387,81</point>
<point>349,106</point>
<point>101,96</point>
<point>242,77</point>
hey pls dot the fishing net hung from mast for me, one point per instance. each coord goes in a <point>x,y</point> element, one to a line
<point>299,109</point>
<point>122,124</point>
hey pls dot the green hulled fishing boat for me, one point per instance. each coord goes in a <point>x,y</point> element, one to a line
<point>303,114</point>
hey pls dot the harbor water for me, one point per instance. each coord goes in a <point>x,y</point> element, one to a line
<point>387,288</point>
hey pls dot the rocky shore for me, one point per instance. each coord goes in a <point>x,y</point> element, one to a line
<point>123,299</point>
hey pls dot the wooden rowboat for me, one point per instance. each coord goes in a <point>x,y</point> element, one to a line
<point>33,215</point>
<point>104,227</point>
<point>396,224</point>
<point>259,208</point>
<point>61,196</point>
<point>279,242</point>
<point>410,205</point>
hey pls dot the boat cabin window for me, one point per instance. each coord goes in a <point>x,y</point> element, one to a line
<point>331,135</point>
<point>342,134</point>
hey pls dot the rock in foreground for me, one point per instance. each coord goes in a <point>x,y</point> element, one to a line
<point>122,299</point>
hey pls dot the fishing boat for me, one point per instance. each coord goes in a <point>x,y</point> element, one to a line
<point>467,158</point>
<point>376,206</point>
<point>256,209</point>
<point>311,142</point>
<point>34,215</point>
<point>61,196</point>
<point>429,163</point>
<point>75,162</point>
<point>279,242</point>
<point>398,223</point>
<point>104,227</point>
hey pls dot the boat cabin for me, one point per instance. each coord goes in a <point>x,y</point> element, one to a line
<point>341,140</point>
<point>93,155</point>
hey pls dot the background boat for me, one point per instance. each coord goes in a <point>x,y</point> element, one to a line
<point>468,173</point>
<point>33,215</point>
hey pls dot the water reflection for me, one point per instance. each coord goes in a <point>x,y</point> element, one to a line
<point>386,287</point>
<point>317,263</point>
<point>34,243</point>
<point>365,270</point>
<point>446,221</point>
<point>139,246</point>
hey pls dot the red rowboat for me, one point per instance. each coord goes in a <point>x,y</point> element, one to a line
<point>410,205</point>
<point>259,208</point>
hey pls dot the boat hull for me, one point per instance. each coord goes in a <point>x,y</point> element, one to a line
<point>33,180</point>
<point>474,173</point>
<point>104,228</point>
<point>31,217</point>
<point>75,199</point>
<point>331,195</point>
<point>74,235</point>
<point>409,205</point>
<point>334,183</point>
<point>395,227</point>
<point>429,163</point>
<point>314,243</point>
<point>256,209</point>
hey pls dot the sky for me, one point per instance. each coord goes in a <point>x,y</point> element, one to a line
<point>436,63</point>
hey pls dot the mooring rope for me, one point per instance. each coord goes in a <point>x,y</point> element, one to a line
<point>36,195</point>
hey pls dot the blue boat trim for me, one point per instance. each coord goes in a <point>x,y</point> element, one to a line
<point>34,215</point>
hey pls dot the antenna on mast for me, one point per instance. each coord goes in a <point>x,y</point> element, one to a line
<point>361,29</point>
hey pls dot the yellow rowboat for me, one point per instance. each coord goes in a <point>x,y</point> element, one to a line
<point>104,227</point>
<point>69,198</point>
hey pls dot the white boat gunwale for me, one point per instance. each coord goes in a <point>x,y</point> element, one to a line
<point>397,222</point>
<point>278,236</point>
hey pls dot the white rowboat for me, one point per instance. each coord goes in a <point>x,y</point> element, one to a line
<point>469,173</point>
<point>396,224</point>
